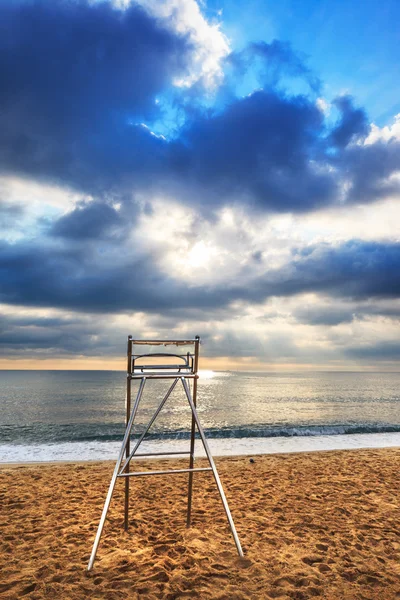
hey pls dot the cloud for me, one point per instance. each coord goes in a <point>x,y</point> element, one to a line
<point>74,106</point>
<point>9,212</point>
<point>371,171</point>
<point>209,45</point>
<point>273,151</point>
<point>315,315</point>
<point>146,170</point>
<point>269,333</point>
<point>381,351</point>
<point>261,150</point>
<point>353,124</point>
<point>72,74</point>
<point>88,221</point>
<point>94,278</point>
<point>269,64</point>
<point>50,333</point>
<point>101,278</point>
<point>354,269</point>
<point>386,133</point>
<point>317,310</point>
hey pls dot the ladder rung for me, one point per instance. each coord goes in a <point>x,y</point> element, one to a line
<point>139,473</point>
<point>159,453</point>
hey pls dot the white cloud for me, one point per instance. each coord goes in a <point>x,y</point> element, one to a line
<point>379,221</point>
<point>191,248</point>
<point>240,246</point>
<point>32,193</point>
<point>384,133</point>
<point>323,105</point>
<point>37,201</point>
<point>210,45</point>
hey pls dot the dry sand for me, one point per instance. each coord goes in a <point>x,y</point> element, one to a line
<point>316,525</point>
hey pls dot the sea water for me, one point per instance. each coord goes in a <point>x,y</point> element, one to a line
<point>79,415</point>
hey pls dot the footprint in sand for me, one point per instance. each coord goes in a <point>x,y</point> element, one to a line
<point>322,547</point>
<point>310,560</point>
<point>28,589</point>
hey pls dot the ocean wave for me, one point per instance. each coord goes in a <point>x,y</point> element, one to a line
<point>89,432</point>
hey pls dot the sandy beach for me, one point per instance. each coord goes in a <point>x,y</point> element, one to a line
<point>312,525</point>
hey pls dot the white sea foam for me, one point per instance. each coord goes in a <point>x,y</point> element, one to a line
<point>96,450</point>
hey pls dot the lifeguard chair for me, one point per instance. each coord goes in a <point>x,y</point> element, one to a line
<point>161,360</point>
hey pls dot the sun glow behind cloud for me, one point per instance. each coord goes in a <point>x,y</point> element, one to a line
<point>266,221</point>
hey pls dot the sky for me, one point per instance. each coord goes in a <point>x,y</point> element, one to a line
<point>226,169</point>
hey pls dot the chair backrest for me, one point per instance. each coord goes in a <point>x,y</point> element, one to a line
<point>163,356</point>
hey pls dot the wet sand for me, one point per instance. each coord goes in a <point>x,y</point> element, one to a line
<point>316,525</point>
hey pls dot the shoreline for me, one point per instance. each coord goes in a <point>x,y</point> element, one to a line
<point>95,451</point>
<point>166,458</point>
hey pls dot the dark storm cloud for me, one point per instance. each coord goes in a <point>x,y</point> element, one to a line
<point>355,269</point>
<point>89,279</point>
<point>78,79</point>
<point>72,75</point>
<point>388,351</point>
<point>86,279</point>
<point>330,314</point>
<point>88,221</point>
<point>274,151</point>
<point>260,150</point>
<point>315,315</point>
<point>49,336</point>
<point>368,170</point>
<point>15,337</point>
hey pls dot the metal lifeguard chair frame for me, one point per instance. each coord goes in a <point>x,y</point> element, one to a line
<point>184,369</point>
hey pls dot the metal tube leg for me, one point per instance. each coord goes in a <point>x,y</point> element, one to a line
<point>191,460</point>
<point>114,477</point>
<point>154,417</point>
<point>127,448</point>
<point>214,469</point>
<point>126,505</point>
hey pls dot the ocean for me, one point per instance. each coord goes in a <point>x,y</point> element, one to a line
<point>79,415</point>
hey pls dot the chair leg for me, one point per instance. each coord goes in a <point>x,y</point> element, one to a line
<point>114,477</point>
<point>191,463</point>
<point>213,467</point>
